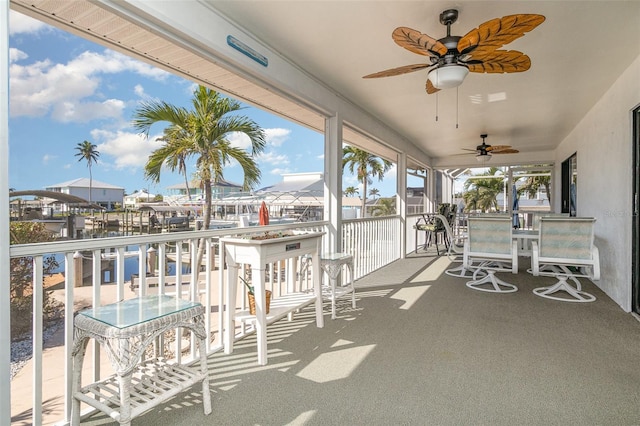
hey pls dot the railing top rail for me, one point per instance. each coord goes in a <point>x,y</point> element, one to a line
<point>371,219</point>
<point>37,249</point>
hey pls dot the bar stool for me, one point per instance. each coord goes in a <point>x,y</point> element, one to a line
<point>333,264</point>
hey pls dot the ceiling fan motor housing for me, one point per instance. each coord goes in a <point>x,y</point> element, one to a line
<point>448,17</point>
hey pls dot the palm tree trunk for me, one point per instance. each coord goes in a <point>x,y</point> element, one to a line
<point>206,222</point>
<point>90,188</point>
<point>186,183</point>
<point>364,197</point>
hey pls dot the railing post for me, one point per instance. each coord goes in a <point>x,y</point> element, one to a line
<point>77,269</point>
<point>152,255</point>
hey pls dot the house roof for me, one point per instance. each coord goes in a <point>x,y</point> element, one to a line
<point>196,184</point>
<point>84,183</point>
<point>140,193</point>
<point>302,182</point>
<point>58,196</point>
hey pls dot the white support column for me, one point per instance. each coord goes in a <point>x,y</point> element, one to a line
<point>431,183</point>
<point>333,182</point>
<point>5,301</point>
<point>401,200</point>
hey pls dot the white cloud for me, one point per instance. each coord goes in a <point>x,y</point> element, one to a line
<point>239,140</point>
<point>276,136</point>
<point>278,171</point>
<point>139,90</point>
<point>190,88</point>
<point>20,24</point>
<point>67,91</point>
<point>273,158</point>
<point>130,150</point>
<point>16,55</point>
<point>273,137</point>
<point>86,111</point>
<point>110,62</point>
<point>47,158</point>
<point>392,172</point>
<point>66,166</point>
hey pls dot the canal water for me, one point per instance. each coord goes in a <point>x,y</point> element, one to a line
<point>108,266</point>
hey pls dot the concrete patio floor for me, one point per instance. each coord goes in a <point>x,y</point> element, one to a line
<point>422,348</point>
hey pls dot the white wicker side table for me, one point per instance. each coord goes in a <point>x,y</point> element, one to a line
<point>332,264</point>
<point>125,329</point>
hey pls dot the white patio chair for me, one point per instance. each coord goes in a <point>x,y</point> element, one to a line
<point>566,250</point>
<point>491,244</point>
<point>455,252</point>
<point>537,216</point>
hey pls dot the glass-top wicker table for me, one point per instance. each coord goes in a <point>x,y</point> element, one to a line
<point>125,329</point>
<point>332,264</point>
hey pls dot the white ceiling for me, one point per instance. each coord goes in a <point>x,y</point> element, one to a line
<point>576,54</point>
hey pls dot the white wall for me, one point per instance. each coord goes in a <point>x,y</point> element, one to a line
<point>603,142</point>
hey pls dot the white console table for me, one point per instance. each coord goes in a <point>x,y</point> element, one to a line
<point>258,253</point>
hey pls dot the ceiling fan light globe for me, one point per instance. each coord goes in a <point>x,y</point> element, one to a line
<point>483,157</point>
<point>448,76</point>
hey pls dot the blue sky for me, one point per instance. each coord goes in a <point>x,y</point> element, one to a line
<point>64,90</point>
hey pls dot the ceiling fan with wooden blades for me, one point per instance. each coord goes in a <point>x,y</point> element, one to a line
<point>453,57</point>
<point>484,151</point>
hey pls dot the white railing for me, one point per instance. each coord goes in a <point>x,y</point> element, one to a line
<point>95,255</point>
<point>372,241</point>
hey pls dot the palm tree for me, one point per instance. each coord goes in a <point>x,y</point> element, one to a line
<point>532,185</point>
<point>481,192</point>
<point>350,191</point>
<point>384,207</point>
<point>87,151</point>
<point>173,153</point>
<point>366,166</point>
<point>374,192</point>
<point>202,133</point>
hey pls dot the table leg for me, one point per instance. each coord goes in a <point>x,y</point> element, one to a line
<point>206,393</point>
<point>257,278</point>
<point>125,399</point>
<point>317,288</point>
<point>78,360</point>
<point>230,301</point>
<point>353,288</point>
<point>332,282</point>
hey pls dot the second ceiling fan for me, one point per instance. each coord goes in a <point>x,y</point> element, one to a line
<point>453,57</point>
<point>484,151</point>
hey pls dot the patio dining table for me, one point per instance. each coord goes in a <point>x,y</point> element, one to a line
<point>524,237</point>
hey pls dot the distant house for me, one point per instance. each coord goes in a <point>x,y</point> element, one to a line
<point>415,200</point>
<point>132,201</point>
<point>178,192</point>
<point>103,194</point>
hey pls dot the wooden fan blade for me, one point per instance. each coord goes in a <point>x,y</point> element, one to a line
<point>491,148</point>
<point>398,71</point>
<point>430,88</point>
<point>497,32</point>
<point>500,61</point>
<point>506,151</point>
<point>417,42</point>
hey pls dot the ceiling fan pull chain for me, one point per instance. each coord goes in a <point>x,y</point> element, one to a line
<point>436,106</point>
<point>457,107</point>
